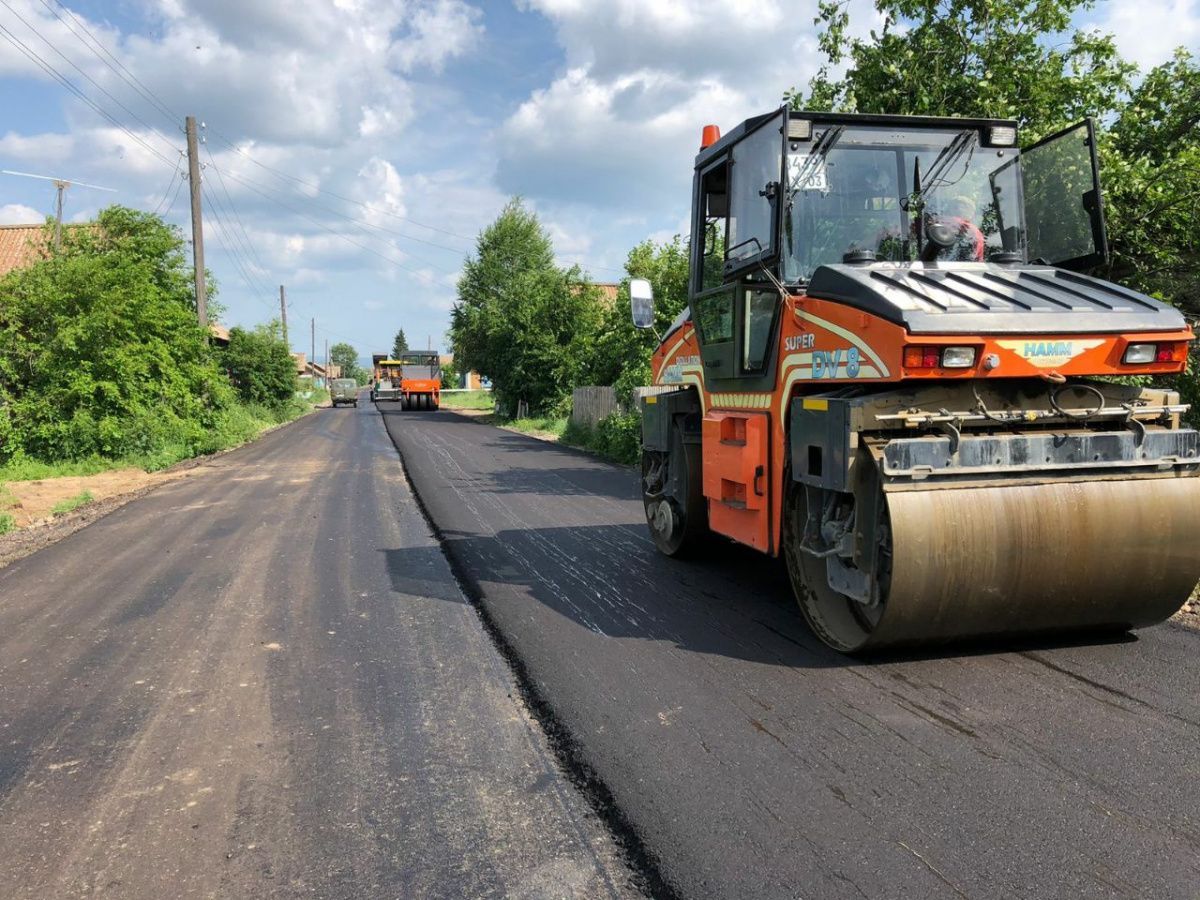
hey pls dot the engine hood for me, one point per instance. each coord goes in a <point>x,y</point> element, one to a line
<point>991,298</point>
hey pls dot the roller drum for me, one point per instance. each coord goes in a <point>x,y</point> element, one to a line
<point>1028,559</point>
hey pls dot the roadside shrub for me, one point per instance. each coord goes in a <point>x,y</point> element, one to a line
<point>617,437</point>
<point>100,352</point>
<point>260,367</point>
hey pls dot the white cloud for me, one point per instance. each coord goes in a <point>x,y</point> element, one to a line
<point>620,126</point>
<point>1147,32</point>
<point>19,214</point>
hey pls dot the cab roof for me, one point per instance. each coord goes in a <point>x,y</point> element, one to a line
<point>837,118</point>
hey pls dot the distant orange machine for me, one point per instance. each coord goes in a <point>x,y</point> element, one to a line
<point>420,379</point>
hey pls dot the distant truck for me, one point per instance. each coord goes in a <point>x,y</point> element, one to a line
<point>343,390</point>
<point>385,378</point>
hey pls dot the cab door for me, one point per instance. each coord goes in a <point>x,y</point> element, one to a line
<point>1064,209</point>
<point>735,311</point>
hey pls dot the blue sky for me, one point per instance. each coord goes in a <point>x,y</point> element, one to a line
<point>355,148</point>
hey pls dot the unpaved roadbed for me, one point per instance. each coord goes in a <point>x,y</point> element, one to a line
<point>265,682</point>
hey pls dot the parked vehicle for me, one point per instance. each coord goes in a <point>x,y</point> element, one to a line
<point>343,390</point>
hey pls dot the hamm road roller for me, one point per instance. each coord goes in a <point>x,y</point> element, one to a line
<point>893,371</point>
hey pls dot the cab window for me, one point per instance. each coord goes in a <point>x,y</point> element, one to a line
<point>713,214</point>
<point>757,327</point>
<point>714,317</point>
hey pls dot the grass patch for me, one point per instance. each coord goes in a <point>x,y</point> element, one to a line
<point>553,425</point>
<point>71,504</point>
<point>7,523</point>
<point>468,400</point>
<point>237,425</point>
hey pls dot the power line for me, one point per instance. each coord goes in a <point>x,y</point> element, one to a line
<point>101,52</point>
<point>361,223</point>
<point>325,227</point>
<point>93,81</point>
<point>316,187</point>
<point>239,258</point>
<point>233,209</point>
<point>66,82</point>
<point>172,180</point>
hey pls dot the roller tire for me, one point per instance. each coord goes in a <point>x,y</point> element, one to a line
<point>692,532</point>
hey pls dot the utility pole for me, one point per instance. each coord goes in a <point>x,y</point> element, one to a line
<point>314,351</point>
<point>62,186</point>
<point>283,315</point>
<point>193,152</point>
<point>327,376</point>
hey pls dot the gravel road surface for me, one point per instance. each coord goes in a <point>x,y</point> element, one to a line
<point>263,681</point>
<point>750,761</point>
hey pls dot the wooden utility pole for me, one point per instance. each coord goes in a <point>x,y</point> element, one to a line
<point>61,186</point>
<point>283,316</point>
<point>193,152</point>
<point>314,351</point>
<point>327,361</point>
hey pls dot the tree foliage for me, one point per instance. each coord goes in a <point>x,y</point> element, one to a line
<point>260,366</point>
<point>621,353</point>
<point>100,352</point>
<point>399,345</point>
<point>345,356</point>
<point>519,319</point>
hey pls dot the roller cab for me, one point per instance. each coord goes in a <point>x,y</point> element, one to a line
<point>895,371</point>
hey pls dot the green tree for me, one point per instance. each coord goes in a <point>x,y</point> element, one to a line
<point>399,345</point>
<point>260,366</point>
<point>519,319</point>
<point>621,353</point>
<point>100,352</point>
<point>1016,59</point>
<point>345,356</point>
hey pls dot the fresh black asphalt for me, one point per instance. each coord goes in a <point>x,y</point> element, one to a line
<point>263,681</point>
<point>750,761</point>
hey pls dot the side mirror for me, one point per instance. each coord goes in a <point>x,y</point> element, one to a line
<point>710,238</point>
<point>641,303</point>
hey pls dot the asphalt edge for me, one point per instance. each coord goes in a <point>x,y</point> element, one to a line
<point>642,862</point>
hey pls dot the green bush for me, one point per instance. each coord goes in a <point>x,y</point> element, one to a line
<point>7,523</point>
<point>260,367</point>
<point>617,437</point>
<point>100,351</point>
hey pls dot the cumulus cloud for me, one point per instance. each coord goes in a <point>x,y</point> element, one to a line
<point>619,127</point>
<point>1148,32</point>
<point>19,214</point>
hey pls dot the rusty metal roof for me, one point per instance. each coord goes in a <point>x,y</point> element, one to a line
<point>20,246</point>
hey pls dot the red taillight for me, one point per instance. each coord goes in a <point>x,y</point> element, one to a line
<point>922,357</point>
<point>1173,352</point>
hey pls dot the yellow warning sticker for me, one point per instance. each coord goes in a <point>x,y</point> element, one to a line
<point>650,399</point>
<point>816,403</point>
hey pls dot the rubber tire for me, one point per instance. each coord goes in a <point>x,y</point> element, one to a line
<point>694,533</point>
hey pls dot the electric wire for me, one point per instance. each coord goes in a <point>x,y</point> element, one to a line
<point>98,48</point>
<point>238,255</point>
<point>233,209</point>
<point>361,223</point>
<point>174,176</point>
<point>69,85</point>
<point>45,40</point>
<point>332,231</point>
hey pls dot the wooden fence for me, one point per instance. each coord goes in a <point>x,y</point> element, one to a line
<point>591,404</point>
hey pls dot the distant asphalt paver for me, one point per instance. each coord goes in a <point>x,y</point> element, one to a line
<point>751,761</point>
<point>264,681</point>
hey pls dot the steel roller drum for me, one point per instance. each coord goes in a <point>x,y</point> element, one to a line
<point>1038,558</point>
